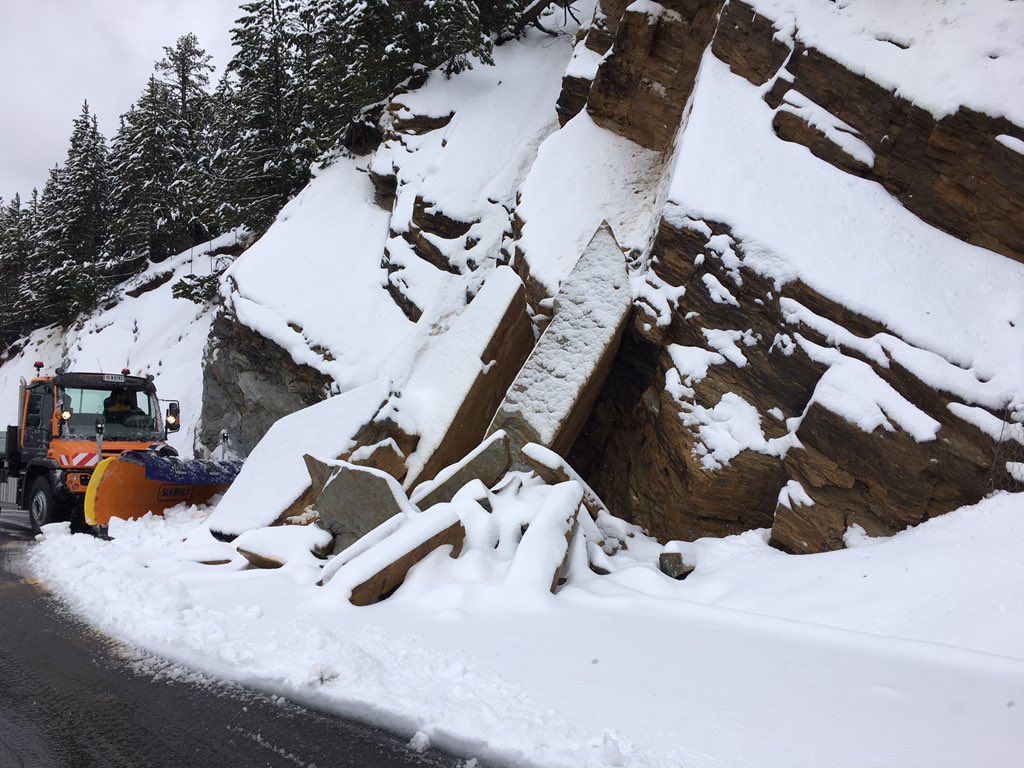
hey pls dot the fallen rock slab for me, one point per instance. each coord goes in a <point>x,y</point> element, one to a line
<point>277,546</point>
<point>486,463</point>
<point>354,500</point>
<point>554,391</point>
<point>380,570</point>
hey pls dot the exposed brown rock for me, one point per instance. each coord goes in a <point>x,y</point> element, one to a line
<point>257,560</point>
<point>428,251</point>
<point>950,172</point>
<point>791,127</point>
<point>536,291</point>
<point>387,580</point>
<point>605,25</point>
<point>398,289</point>
<point>428,217</point>
<point>429,221</point>
<point>385,189</point>
<point>150,285</point>
<point>745,40</point>
<point>572,98</point>
<point>643,459</point>
<point>598,37</point>
<point>882,481</point>
<point>417,125</point>
<point>642,86</point>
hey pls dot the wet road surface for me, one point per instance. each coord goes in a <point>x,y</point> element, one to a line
<point>69,699</point>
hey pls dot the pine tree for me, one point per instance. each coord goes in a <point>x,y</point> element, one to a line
<point>84,191</point>
<point>270,160</point>
<point>501,18</point>
<point>12,266</point>
<point>161,183</point>
<point>145,164</point>
<point>185,72</point>
<point>218,161</point>
<point>66,276</point>
<point>456,33</point>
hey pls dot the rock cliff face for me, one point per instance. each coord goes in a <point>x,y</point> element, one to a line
<point>952,173</point>
<point>249,383</point>
<point>643,84</point>
<point>724,415</point>
<point>709,420</point>
<point>734,401</point>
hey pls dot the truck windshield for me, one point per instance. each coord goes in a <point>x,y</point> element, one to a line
<point>127,414</point>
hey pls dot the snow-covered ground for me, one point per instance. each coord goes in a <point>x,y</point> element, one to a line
<point>906,651</point>
<point>900,652</point>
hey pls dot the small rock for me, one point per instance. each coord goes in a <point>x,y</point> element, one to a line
<point>672,565</point>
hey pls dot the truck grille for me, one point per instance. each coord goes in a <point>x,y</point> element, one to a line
<point>9,492</point>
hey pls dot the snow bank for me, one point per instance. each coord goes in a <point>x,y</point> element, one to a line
<point>285,544</point>
<point>919,634</point>
<point>611,178</point>
<point>314,283</point>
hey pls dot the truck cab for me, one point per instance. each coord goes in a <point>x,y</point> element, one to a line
<point>68,423</point>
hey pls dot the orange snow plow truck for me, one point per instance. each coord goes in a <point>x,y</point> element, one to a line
<point>92,446</point>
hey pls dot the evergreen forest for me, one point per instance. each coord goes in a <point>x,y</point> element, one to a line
<point>193,158</point>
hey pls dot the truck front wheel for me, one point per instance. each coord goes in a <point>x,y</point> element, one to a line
<point>42,508</point>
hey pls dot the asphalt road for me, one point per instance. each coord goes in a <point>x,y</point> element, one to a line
<point>70,699</point>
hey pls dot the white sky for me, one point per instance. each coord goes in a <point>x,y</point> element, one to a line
<point>56,53</point>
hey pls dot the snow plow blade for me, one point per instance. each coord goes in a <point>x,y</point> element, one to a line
<point>136,482</point>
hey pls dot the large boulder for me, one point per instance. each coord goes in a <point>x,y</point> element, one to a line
<point>553,392</point>
<point>354,500</point>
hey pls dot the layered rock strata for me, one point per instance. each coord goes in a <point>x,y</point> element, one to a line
<point>723,416</point>
<point>643,84</point>
<point>952,172</point>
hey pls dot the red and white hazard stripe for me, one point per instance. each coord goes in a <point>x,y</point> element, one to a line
<point>79,460</point>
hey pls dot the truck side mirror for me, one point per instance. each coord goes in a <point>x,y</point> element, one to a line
<point>173,417</point>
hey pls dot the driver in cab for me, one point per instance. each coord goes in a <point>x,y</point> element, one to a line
<point>120,406</point>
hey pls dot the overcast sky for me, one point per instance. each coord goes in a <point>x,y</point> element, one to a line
<point>56,53</point>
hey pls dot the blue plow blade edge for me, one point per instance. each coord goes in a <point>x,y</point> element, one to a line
<point>171,469</point>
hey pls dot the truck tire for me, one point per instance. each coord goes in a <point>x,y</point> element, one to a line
<point>42,507</point>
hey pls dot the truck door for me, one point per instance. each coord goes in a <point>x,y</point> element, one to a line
<point>38,426</point>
